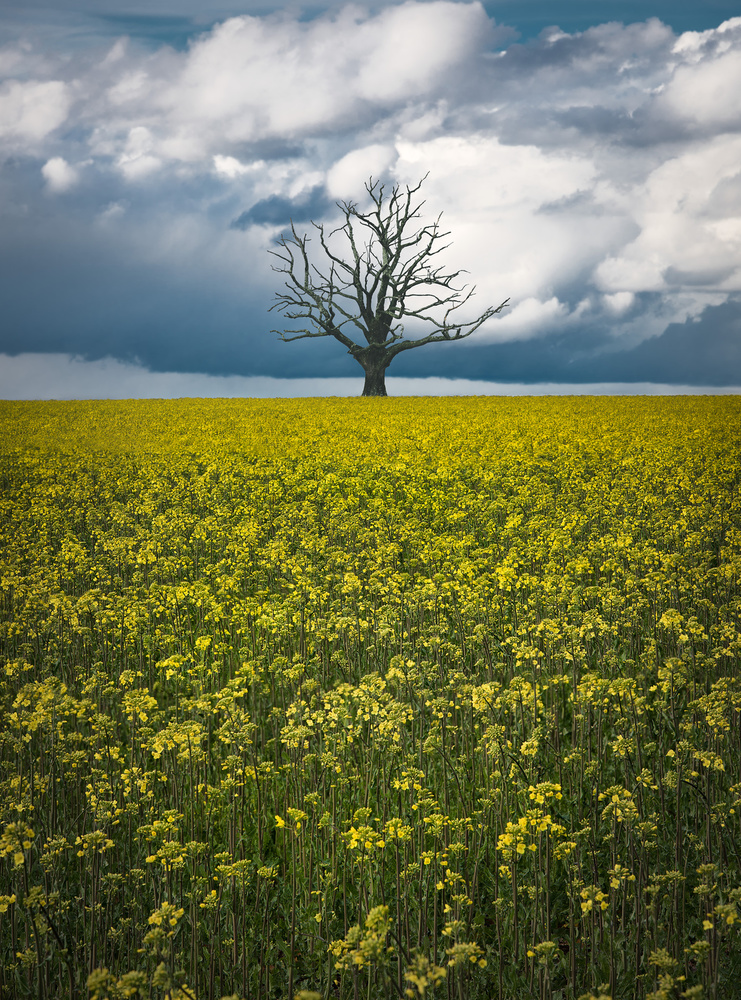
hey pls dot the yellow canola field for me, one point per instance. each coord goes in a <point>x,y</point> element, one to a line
<point>371,697</point>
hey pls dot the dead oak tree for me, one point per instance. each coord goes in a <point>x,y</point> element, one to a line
<point>384,276</point>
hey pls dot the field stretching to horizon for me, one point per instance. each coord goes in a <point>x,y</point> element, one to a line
<point>371,698</point>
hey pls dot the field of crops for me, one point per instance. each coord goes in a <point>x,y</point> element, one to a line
<point>371,698</point>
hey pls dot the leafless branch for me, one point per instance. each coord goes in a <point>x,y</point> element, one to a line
<point>386,274</point>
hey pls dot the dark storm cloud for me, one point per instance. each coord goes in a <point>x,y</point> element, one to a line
<point>96,302</point>
<point>580,202</point>
<point>706,351</point>
<point>277,211</point>
<point>595,121</point>
<point>98,290</point>
<point>702,277</point>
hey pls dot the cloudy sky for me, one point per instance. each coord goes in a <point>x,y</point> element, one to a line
<point>585,154</point>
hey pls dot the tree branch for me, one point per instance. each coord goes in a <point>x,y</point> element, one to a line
<point>386,274</point>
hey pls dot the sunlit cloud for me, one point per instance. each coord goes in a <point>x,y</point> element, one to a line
<point>59,175</point>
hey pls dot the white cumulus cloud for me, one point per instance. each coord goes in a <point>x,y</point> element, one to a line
<point>707,91</point>
<point>230,167</point>
<point>347,176</point>
<point>251,78</point>
<point>30,110</point>
<point>59,175</point>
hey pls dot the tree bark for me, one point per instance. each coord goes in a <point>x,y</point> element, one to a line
<point>375,380</point>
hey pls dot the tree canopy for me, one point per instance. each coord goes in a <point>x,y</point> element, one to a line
<point>373,275</point>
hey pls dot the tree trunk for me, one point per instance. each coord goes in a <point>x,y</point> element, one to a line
<point>375,380</point>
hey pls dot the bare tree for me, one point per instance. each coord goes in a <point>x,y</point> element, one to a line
<point>386,277</point>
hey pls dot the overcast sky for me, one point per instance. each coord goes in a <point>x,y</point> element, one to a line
<point>586,157</point>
